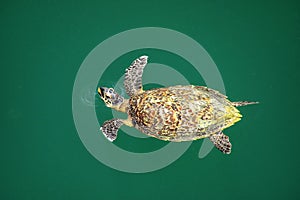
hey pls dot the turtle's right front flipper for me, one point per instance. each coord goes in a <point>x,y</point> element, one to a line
<point>133,76</point>
<point>110,128</point>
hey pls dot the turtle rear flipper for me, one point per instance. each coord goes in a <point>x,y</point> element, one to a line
<point>221,141</point>
<point>110,128</point>
<point>133,76</point>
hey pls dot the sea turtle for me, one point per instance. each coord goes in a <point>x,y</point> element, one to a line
<point>177,113</point>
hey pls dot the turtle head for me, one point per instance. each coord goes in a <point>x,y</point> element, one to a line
<point>110,97</point>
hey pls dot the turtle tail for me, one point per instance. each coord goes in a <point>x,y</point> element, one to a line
<point>243,103</point>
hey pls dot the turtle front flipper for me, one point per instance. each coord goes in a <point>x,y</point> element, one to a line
<point>221,141</point>
<point>110,128</point>
<point>133,76</point>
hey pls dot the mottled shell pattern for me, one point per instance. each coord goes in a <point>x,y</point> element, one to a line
<point>181,113</point>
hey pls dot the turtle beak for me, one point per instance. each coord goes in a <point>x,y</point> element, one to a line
<point>101,91</point>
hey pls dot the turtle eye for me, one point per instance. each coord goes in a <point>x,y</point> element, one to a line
<point>110,90</point>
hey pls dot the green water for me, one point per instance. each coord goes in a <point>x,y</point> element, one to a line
<point>255,46</point>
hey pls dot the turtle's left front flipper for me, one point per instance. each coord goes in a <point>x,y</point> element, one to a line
<point>221,141</point>
<point>110,128</point>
